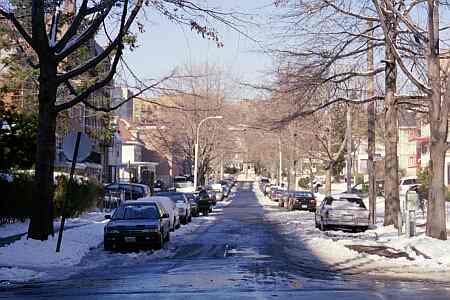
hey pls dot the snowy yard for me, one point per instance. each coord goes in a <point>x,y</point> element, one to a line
<point>418,257</point>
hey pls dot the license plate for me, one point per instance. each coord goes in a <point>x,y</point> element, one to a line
<point>130,239</point>
<point>304,206</point>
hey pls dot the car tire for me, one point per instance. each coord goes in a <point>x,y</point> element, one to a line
<point>190,219</point>
<point>108,246</point>
<point>178,225</point>
<point>184,221</point>
<point>159,244</point>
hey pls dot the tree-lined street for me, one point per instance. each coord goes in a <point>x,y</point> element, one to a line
<point>242,253</point>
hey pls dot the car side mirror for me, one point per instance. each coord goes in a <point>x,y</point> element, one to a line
<point>165,216</point>
<point>108,217</point>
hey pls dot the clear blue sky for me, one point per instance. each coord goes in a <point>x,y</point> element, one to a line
<point>166,45</point>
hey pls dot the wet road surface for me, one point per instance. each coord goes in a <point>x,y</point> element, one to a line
<point>239,255</point>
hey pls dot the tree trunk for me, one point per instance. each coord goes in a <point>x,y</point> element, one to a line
<point>41,220</point>
<point>438,116</point>
<point>348,162</point>
<point>436,212</point>
<point>392,201</point>
<point>328,181</point>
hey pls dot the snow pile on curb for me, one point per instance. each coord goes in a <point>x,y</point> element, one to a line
<point>423,257</point>
<point>26,254</point>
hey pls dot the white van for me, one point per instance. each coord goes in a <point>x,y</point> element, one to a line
<point>170,207</point>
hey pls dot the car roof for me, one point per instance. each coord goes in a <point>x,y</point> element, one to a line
<point>346,196</point>
<point>408,177</point>
<point>169,193</point>
<point>128,183</point>
<point>152,199</point>
<point>139,202</point>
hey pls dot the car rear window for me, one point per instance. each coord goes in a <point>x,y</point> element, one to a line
<point>347,203</point>
<point>303,195</point>
<point>409,181</point>
<point>133,212</point>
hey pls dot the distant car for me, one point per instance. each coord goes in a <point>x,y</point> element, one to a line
<point>128,190</point>
<point>192,197</point>
<point>182,204</point>
<point>116,193</point>
<point>301,200</point>
<point>215,191</point>
<point>277,194</point>
<point>346,211</point>
<point>406,183</point>
<point>139,223</point>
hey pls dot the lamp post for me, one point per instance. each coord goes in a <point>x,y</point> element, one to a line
<point>196,148</point>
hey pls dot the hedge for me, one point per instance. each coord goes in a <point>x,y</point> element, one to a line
<point>17,197</point>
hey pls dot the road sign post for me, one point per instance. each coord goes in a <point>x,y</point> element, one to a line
<point>79,146</point>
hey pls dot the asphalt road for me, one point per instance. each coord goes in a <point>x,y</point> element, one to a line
<point>240,255</point>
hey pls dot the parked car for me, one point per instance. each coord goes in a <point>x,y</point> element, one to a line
<point>226,190</point>
<point>170,208</point>
<point>137,222</point>
<point>267,189</point>
<point>192,197</point>
<point>116,193</point>
<point>406,183</point>
<point>301,200</point>
<point>346,211</point>
<point>277,194</point>
<point>215,191</point>
<point>182,204</point>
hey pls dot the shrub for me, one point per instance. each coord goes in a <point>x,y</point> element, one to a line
<point>304,183</point>
<point>17,197</point>
<point>359,178</point>
<point>82,196</point>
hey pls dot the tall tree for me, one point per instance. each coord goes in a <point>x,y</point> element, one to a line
<point>417,51</point>
<point>54,35</point>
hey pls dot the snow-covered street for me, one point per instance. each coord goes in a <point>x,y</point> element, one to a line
<point>248,248</point>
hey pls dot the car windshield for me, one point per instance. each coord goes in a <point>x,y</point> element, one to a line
<point>133,212</point>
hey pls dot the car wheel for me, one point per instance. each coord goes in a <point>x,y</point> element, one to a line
<point>107,246</point>
<point>190,219</point>
<point>184,221</point>
<point>178,225</point>
<point>159,244</point>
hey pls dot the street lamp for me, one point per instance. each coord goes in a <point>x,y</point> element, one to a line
<point>196,147</point>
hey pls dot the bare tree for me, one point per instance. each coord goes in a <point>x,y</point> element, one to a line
<point>54,36</point>
<point>416,47</point>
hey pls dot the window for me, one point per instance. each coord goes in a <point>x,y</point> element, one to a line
<point>412,161</point>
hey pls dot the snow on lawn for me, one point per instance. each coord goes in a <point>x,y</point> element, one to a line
<point>428,258</point>
<point>8,230</point>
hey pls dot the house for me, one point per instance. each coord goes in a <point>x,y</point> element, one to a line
<point>407,143</point>
<point>133,167</point>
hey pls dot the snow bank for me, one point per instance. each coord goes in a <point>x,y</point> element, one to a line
<point>427,258</point>
<point>75,244</point>
<point>18,275</point>
<point>8,230</point>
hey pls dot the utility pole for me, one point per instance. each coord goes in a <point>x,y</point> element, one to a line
<point>371,130</point>
<point>348,134</point>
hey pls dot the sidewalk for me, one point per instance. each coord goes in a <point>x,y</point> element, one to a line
<point>10,233</point>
